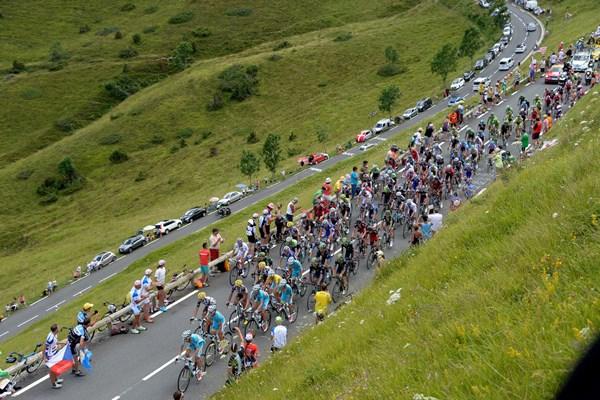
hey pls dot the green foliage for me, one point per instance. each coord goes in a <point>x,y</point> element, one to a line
<point>388,70</point>
<point>249,164</point>
<point>150,10</point>
<point>181,18</point>
<point>112,138</point>
<point>391,55</point>
<point>322,135</point>
<point>122,87</point>
<point>118,156</point>
<point>84,29</point>
<point>293,151</point>
<point>67,182</point>
<point>118,35</point>
<point>239,12</point>
<point>343,37</point>
<point>129,52</point>
<point>216,102</point>
<point>17,67</point>
<point>239,82</point>
<point>292,137</point>
<point>128,7</point>
<point>282,45</point>
<point>252,138</point>
<point>58,54</point>
<point>444,62</point>
<point>201,32</point>
<point>66,125</point>
<point>271,152</point>
<point>150,29</point>
<point>136,39</point>
<point>182,55</point>
<point>388,98</point>
<point>470,43</point>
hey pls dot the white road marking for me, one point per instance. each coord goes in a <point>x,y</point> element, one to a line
<point>37,301</point>
<point>463,128</point>
<point>4,333</point>
<point>481,191</point>
<point>486,143</point>
<point>83,277</point>
<point>515,142</point>
<point>29,320</point>
<point>347,154</point>
<point>120,258</point>
<point>56,305</point>
<point>515,92</point>
<point>116,398</point>
<point>315,169</point>
<point>107,277</point>
<point>81,291</point>
<point>379,138</point>
<point>31,385</point>
<point>187,296</point>
<point>501,101</point>
<point>482,115</point>
<point>528,83</point>
<point>156,371</point>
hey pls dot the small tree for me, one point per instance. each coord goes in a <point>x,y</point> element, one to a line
<point>57,53</point>
<point>471,42</point>
<point>444,62</point>
<point>391,54</point>
<point>136,39</point>
<point>388,97</point>
<point>67,170</point>
<point>182,55</point>
<point>271,152</point>
<point>249,164</point>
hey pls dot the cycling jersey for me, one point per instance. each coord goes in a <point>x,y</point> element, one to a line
<point>262,298</point>
<point>208,301</point>
<point>322,301</point>
<point>275,279</point>
<point>217,321</point>
<point>286,294</point>
<point>81,316</point>
<point>195,344</point>
<point>296,269</point>
<point>51,345</point>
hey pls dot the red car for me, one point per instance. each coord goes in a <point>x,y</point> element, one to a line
<point>553,74</point>
<point>363,136</point>
<point>313,159</point>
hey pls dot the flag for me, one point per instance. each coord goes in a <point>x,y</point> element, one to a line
<point>86,361</point>
<point>61,361</point>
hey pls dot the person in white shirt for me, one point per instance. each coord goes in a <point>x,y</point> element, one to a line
<point>435,218</point>
<point>147,285</point>
<point>135,294</point>
<point>291,208</point>
<point>278,335</point>
<point>159,277</point>
<point>50,349</point>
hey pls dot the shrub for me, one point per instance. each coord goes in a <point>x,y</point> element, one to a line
<point>66,125</point>
<point>136,39</point>
<point>48,199</point>
<point>213,152</point>
<point>140,176</point>
<point>292,137</point>
<point>238,81</point>
<point>150,29</point>
<point>122,87</point>
<point>128,53</point>
<point>31,93</point>
<point>390,70</point>
<point>107,31</point>
<point>201,32</point>
<point>252,138</point>
<point>58,54</point>
<point>24,174</point>
<point>157,139</point>
<point>181,18</point>
<point>113,138</point>
<point>343,37</point>
<point>17,67</point>
<point>322,135</point>
<point>182,143</point>
<point>283,45</point>
<point>118,156</point>
<point>128,7</point>
<point>84,29</point>
<point>215,103</point>
<point>185,133</point>
<point>239,12</point>
<point>151,10</point>
<point>275,57</point>
<point>182,55</point>
<point>118,35</point>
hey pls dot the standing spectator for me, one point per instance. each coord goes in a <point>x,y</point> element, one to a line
<point>86,313</point>
<point>291,209</point>
<point>136,301</point>
<point>50,349</point>
<point>417,235</point>
<point>354,181</point>
<point>77,273</point>
<point>251,233</point>
<point>537,131</point>
<point>263,226</point>
<point>22,301</point>
<point>278,335</point>
<point>204,255</point>
<point>426,228</point>
<point>436,218</point>
<point>147,285</point>
<point>77,340</point>
<point>159,276</point>
<point>524,141</point>
<point>215,241</point>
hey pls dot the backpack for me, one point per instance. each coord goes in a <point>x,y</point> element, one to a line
<point>118,329</point>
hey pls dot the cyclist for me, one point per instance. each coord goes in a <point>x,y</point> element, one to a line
<point>203,300</point>
<point>260,300</point>
<point>273,280</point>
<point>239,295</point>
<point>388,224</point>
<point>240,249</point>
<point>317,271</point>
<point>322,301</point>
<point>251,233</point>
<point>373,236</point>
<point>285,295</point>
<point>341,271</point>
<point>192,345</point>
<point>217,323</point>
<point>296,268</point>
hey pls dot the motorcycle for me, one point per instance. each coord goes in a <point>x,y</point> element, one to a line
<point>223,211</point>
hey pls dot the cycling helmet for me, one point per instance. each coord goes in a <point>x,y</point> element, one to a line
<point>238,283</point>
<point>212,309</point>
<point>161,262</point>
<point>186,334</point>
<point>262,254</point>
<point>289,238</point>
<point>314,260</point>
<point>278,319</point>
<point>394,147</point>
<point>291,260</point>
<point>393,175</point>
<point>201,295</point>
<point>262,265</point>
<point>270,272</point>
<point>286,249</point>
<point>322,245</point>
<point>344,240</point>
<point>339,257</point>
<point>282,283</point>
<point>250,221</point>
<point>290,224</point>
<point>256,288</point>
<point>249,337</point>
<point>332,210</point>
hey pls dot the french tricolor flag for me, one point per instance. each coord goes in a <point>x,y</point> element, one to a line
<point>61,361</point>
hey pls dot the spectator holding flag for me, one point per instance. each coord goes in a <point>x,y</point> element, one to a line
<point>50,350</point>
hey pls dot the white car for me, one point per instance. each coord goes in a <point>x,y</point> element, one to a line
<point>229,198</point>
<point>101,260</point>
<point>166,226</point>
<point>582,61</point>
<point>482,79</point>
<point>531,27</point>
<point>383,125</point>
<point>410,113</point>
<point>521,48</point>
<point>506,63</point>
<point>507,31</point>
<point>457,84</point>
<point>484,3</point>
<point>496,49</point>
<point>367,146</point>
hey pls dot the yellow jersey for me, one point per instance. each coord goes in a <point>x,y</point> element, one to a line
<point>322,301</point>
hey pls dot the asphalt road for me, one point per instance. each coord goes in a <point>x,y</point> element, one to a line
<point>141,367</point>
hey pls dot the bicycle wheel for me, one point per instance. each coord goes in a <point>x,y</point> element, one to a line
<point>336,289</point>
<point>184,378</point>
<point>405,229</point>
<point>234,273</point>
<point>184,285</point>
<point>370,259</point>
<point>210,353</point>
<point>251,327</point>
<point>125,317</point>
<point>385,238</point>
<point>266,324</point>
<point>302,288</point>
<point>292,314</point>
<point>354,267</point>
<point>31,368</point>
<point>235,319</point>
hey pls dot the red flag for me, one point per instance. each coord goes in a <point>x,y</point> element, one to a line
<point>61,362</point>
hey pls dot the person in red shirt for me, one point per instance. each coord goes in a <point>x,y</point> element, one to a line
<point>250,349</point>
<point>327,190</point>
<point>204,255</point>
<point>537,130</point>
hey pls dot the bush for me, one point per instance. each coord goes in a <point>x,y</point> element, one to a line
<point>17,67</point>
<point>128,53</point>
<point>213,152</point>
<point>128,7</point>
<point>118,156</point>
<point>140,176</point>
<point>118,35</point>
<point>343,37</point>
<point>157,139</point>
<point>182,143</point>
<point>151,10</point>
<point>136,39</point>
<point>31,93</point>
<point>252,138</point>
<point>215,103</point>
<point>275,57</point>
<point>239,12</point>
<point>181,17</point>
<point>48,199</point>
<point>58,54</point>
<point>107,31</point>
<point>185,133</point>
<point>390,70</point>
<point>84,29</point>
<point>24,174</point>
<point>182,55</point>
<point>66,125</point>
<point>201,32</point>
<point>150,29</point>
<point>107,140</point>
<point>239,82</point>
<point>292,137</point>
<point>322,135</point>
<point>283,45</point>
<point>122,87</point>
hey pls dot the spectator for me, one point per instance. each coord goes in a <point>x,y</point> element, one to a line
<point>136,298</point>
<point>204,255</point>
<point>251,233</point>
<point>354,181</point>
<point>50,349</point>
<point>264,227</point>
<point>77,340</point>
<point>417,235</point>
<point>435,217</point>
<point>215,241</point>
<point>426,228</point>
<point>85,312</point>
<point>278,335</point>
<point>77,273</point>
<point>22,301</point>
<point>291,209</point>
<point>147,285</point>
<point>159,276</point>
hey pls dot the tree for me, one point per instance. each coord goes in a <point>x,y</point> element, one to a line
<point>391,55</point>
<point>67,170</point>
<point>444,62</point>
<point>387,99</point>
<point>271,152</point>
<point>239,81</point>
<point>57,53</point>
<point>182,55</point>
<point>470,43</point>
<point>249,164</point>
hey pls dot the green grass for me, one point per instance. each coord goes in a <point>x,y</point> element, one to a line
<point>494,307</point>
<point>311,87</point>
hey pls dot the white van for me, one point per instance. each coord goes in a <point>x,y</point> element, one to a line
<point>383,125</point>
<point>531,5</point>
<point>506,63</point>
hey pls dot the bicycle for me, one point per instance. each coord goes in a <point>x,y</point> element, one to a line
<point>372,257</point>
<point>212,348</point>
<point>23,359</point>
<point>236,272</point>
<point>298,286</point>
<point>181,286</point>
<point>254,322</point>
<point>289,311</point>
<point>186,374</point>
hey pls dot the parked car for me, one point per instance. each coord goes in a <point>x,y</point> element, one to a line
<point>504,41</point>
<point>553,73</point>
<point>367,146</point>
<point>531,5</point>
<point>193,214</point>
<point>506,63</point>
<point>457,84</point>
<point>454,100</point>
<point>364,136</point>
<point>496,49</point>
<point>484,3</point>
<point>313,159</point>
<point>521,48</point>
<point>582,61</point>
<point>132,243</point>
<point>467,76</point>
<point>410,113</point>
<point>480,64</point>
<point>424,104</point>
<point>507,31</point>
<point>101,260</point>
<point>477,82</point>
<point>531,27</point>
<point>166,226</point>
<point>382,125</point>
<point>229,198</point>
<point>489,56</point>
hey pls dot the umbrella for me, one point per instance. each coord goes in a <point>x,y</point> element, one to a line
<point>241,186</point>
<point>148,228</point>
<point>213,199</point>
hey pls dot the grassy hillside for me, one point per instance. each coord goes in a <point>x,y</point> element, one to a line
<point>503,313</point>
<point>317,84</point>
